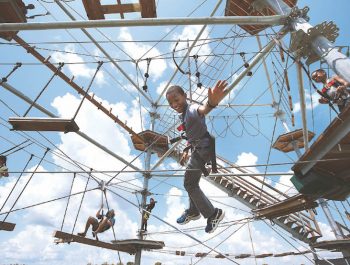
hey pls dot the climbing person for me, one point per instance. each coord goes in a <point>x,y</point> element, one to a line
<point>105,223</point>
<point>3,167</point>
<point>336,88</point>
<point>203,150</point>
<point>149,207</point>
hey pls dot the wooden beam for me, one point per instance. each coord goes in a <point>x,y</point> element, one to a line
<point>7,226</point>
<point>121,14</point>
<point>123,8</point>
<point>93,9</point>
<point>148,8</point>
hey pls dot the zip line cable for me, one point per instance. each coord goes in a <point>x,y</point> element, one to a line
<point>45,202</point>
<point>7,152</point>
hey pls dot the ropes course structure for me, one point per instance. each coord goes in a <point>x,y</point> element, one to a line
<point>68,150</point>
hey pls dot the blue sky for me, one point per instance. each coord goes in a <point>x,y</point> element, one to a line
<point>243,134</point>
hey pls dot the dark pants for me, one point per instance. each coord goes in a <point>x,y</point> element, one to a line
<point>199,203</point>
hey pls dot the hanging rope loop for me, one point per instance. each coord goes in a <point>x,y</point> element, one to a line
<point>177,66</point>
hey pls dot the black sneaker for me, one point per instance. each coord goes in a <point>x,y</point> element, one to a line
<point>214,220</point>
<point>185,218</point>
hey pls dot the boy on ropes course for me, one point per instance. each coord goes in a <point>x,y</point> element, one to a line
<point>149,207</point>
<point>105,223</point>
<point>203,150</point>
<point>336,88</point>
<point>3,167</point>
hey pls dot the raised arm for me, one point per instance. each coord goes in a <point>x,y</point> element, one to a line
<point>215,95</point>
<point>98,214</point>
<point>342,81</point>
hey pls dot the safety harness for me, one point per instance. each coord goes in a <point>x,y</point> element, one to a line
<point>194,149</point>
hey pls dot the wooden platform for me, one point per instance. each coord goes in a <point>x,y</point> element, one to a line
<point>285,141</point>
<point>158,141</point>
<point>43,124</point>
<point>11,11</point>
<point>129,246</point>
<point>95,10</point>
<point>7,226</point>
<point>134,244</point>
<point>334,245</point>
<point>327,179</point>
<point>245,8</point>
<point>293,204</point>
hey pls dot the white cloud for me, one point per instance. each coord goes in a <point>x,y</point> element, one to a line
<point>190,33</point>
<point>136,50</point>
<point>76,65</point>
<point>315,96</point>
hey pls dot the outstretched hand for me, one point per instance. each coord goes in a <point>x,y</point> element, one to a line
<point>216,94</point>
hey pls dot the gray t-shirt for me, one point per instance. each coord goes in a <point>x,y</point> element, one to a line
<point>195,126</point>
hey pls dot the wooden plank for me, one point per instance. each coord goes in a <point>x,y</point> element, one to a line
<point>129,245</point>
<point>93,9</point>
<point>7,226</point>
<point>338,244</point>
<point>123,8</point>
<point>148,8</point>
<point>294,204</point>
<point>43,124</point>
<point>66,237</point>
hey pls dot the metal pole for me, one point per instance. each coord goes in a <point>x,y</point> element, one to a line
<point>105,53</point>
<point>48,113</point>
<point>144,192</point>
<point>241,20</point>
<point>266,71</point>
<point>188,52</point>
<point>302,105</point>
<point>232,174</point>
<point>330,219</point>
<point>320,45</point>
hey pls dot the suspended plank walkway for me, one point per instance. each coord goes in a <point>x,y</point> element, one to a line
<point>43,124</point>
<point>129,245</point>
